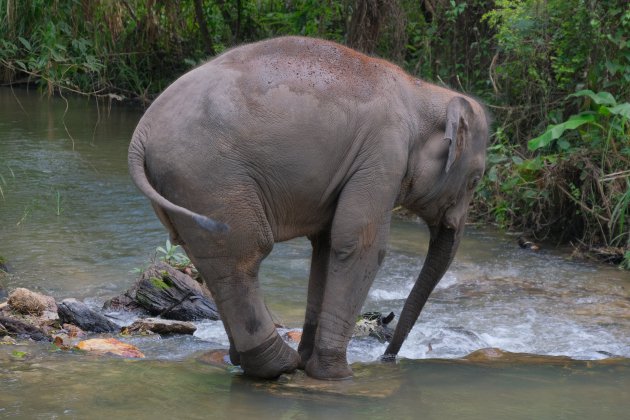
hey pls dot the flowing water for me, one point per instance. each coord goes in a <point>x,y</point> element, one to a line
<point>73,225</point>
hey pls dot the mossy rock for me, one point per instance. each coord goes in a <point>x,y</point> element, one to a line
<point>166,292</point>
<point>161,283</point>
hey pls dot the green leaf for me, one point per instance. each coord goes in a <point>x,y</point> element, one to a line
<point>18,354</point>
<point>555,131</point>
<point>26,44</point>
<point>492,174</point>
<point>600,98</point>
<point>621,109</point>
<point>21,65</point>
<point>535,164</point>
<point>564,145</point>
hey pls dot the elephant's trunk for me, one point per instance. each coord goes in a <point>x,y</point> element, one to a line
<point>442,247</point>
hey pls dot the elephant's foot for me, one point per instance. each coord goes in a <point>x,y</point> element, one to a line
<point>328,364</point>
<point>235,357</point>
<point>305,355</point>
<point>270,359</point>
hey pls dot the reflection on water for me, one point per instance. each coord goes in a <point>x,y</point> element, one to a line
<point>82,387</point>
<point>72,222</point>
<point>72,225</point>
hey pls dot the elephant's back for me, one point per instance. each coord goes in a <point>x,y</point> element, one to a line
<point>304,83</point>
<point>325,69</point>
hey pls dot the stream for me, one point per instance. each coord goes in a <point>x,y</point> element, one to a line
<point>73,225</point>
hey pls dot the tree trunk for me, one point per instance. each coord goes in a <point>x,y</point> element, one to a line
<point>365,24</point>
<point>203,27</point>
<point>375,20</point>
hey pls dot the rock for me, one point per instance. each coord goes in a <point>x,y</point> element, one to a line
<point>27,302</point>
<point>123,302</point>
<point>72,311</point>
<point>166,292</point>
<point>19,328</point>
<point>498,356</point>
<point>162,326</point>
<point>7,340</point>
<point>294,336</point>
<point>73,331</point>
<point>525,243</point>
<point>219,358</point>
<point>110,346</point>
<point>374,324</point>
<point>62,341</point>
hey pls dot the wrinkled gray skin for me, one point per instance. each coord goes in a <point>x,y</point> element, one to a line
<point>302,137</point>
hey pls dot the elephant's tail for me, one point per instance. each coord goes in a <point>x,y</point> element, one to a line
<point>136,162</point>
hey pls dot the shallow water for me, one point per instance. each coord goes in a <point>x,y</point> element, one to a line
<point>73,225</point>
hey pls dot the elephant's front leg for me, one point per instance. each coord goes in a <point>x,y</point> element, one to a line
<point>358,240</point>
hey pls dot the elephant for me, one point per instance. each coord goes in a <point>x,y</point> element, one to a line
<point>296,136</point>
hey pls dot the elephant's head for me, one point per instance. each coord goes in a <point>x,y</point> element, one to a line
<point>443,172</point>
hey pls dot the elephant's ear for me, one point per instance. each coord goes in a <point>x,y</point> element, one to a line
<point>458,112</point>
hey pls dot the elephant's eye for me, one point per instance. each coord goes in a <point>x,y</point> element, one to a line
<point>473,182</point>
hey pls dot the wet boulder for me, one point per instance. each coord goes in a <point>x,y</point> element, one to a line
<point>21,329</point>
<point>168,293</point>
<point>124,302</point>
<point>71,311</point>
<point>162,326</point>
<point>374,324</point>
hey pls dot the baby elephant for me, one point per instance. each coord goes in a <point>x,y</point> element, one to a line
<point>303,137</point>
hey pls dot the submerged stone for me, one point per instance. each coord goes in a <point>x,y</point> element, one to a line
<point>110,346</point>
<point>494,355</point>
<point>219,358</point>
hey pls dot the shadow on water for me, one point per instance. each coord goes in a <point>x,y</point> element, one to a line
<point>73,225</point>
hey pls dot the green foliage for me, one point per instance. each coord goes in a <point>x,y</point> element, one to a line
<point>302,17</point>
<point>173,255</point>
<point>577,183</point>
<point>136,48</point>
<point>547,50</point>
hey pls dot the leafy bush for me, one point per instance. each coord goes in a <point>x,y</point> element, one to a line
<point>577,183</point>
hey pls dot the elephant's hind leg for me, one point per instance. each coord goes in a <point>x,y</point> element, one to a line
<point>229,264</point>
